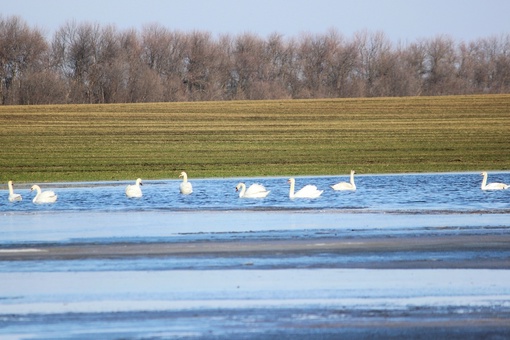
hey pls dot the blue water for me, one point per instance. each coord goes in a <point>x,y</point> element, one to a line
<point>99,212</point>
<point>418,193</point>
<point>227,295</point>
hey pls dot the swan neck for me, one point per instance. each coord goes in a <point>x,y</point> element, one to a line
<point>243,190</point>
<point>11,191</point>
<point>484,181</point>
<point>37,193</point>
<point>291,191</point>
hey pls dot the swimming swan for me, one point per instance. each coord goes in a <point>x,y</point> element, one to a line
<point>12,196</point>
<point>186,188</point>
<point>43,197</point>
<point>134,190</point>
<point>346,186</point>
<point>254,191</point>
<point>308,191</point>
<point>492,186</point>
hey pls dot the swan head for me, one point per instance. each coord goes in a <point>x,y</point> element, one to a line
<point>291,181</point>
<point>9,183</point>
<point>139,181</point>
<point>484,173</point>
<point>35,187</point>
<point>183,174</point>
<point>238,187</point>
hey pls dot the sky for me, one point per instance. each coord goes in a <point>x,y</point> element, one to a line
<point>401,20</point>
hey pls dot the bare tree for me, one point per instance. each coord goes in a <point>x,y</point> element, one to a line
<point>341,67</point>
<point>249,67</point>
<point>315,53</point>
<point>278,67</point>
<point>42,87</point>
<point>440,75</point>
<point>88,63</point>
<point>376,67</point>
<point>164,52</point>
<point>22,50</point>
<point>201,68</point>
<point>75,47</point>
<point>501,74</point>
<point>106,74</point>
<point>413,61</point>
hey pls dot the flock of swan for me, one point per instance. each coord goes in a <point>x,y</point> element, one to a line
<point>254,191</point>
<point>40,197</point>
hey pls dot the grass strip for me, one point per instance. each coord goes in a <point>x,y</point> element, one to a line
<point>254,138</point>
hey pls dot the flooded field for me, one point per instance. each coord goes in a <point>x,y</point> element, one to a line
<point>417,255</point>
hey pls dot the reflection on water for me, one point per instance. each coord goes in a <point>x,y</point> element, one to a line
<point>459,192</point>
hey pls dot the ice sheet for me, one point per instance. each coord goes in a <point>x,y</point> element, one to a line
<point>96,292</point>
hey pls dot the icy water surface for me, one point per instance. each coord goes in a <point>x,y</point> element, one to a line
<point>402,256</point>
<point>100,211</point>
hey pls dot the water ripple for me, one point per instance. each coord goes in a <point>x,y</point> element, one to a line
<point>411,193</point>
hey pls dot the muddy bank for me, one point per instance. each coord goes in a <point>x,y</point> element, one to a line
<point>292,323</point>
<point>425,251</point>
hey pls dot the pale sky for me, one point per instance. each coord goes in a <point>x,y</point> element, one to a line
<point>401,20</point>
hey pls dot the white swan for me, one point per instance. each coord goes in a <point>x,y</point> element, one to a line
<point>12,196</point>
<point>186,188</point>
<point>43,197</point>
<point>134,190</point>
<point>308,191</point>
<point>346,186</point>
<point>254,191</point>
<point>492,186</point>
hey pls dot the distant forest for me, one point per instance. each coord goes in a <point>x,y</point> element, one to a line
<point>90,63</point>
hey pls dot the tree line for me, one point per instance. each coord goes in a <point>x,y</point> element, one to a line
<point>90,63</point>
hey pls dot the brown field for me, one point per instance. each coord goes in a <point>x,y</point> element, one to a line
<point>254,138</point>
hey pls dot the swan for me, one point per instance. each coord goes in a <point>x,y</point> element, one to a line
<point>134,190</point>
<point>254,191</point>
<point>43,197</point>
<point>308,191</point>
<point>186,188</point>
<point>492,186</point>
<point>12,196</point>
<point>346,186</point>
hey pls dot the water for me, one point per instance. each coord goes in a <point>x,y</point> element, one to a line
<point>411,250</point>
<point>100,211</point>
<point>421,193</point>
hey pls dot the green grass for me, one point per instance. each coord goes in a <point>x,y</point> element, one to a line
<point>254,138</point>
